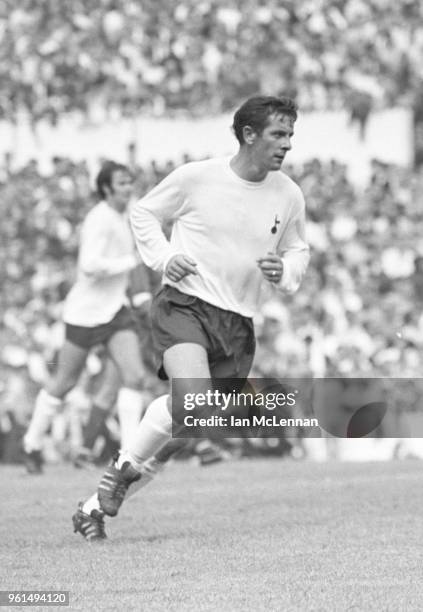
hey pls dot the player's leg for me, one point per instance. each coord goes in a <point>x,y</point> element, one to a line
<point>49,400</point>
<point>187,365</point>
<point>156,464</point>
<point>179,361</point>
<point>229,373</point>
<point>207,453</point>
<point>124,350</point>
<point>102,403</point>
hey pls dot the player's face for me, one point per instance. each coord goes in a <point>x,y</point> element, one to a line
<point>271,146</point>
<point>121,189</point>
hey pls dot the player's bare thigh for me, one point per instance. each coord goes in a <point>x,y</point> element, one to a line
<point>106,394</point>
<point>124,349</point>
<point>187,366</point>
<point>70,365</point>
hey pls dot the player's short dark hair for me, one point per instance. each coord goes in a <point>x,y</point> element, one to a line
<point>256,111</point>
<point>104,177</point>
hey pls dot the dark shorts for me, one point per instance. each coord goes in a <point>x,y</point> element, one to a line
<point>87,337</point>
<point>227,336</point>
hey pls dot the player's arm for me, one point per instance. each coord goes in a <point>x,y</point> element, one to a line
<point>148,215</point>
<point>293,250</point>
<point>140,287</point>
<point>93,258</point>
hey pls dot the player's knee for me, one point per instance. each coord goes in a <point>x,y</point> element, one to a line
<point>133,380</point>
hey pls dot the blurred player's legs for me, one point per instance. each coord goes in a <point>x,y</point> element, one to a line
<point>125,352</point>
<point>49,401</point>
<point>102,404</point>
<point>121,382</point>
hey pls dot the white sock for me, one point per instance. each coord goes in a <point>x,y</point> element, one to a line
<point>149,470</point>
<point>152,433</point>
<point>129,407</point>
<point>91,504</point>
<point>46,406</point>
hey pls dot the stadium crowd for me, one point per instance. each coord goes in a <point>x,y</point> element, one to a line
<point>358,312</point>
<point>114,56</point>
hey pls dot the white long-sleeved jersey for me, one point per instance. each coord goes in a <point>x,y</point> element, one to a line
<point>225,224</point>
<point>106,254</point>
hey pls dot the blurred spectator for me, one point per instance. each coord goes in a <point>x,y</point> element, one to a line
<point>115,57</point>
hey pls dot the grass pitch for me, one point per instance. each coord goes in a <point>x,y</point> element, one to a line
<point>268,535</point>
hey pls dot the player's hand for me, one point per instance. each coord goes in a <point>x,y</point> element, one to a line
<point>271,267</point>
<point>180,266</point>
